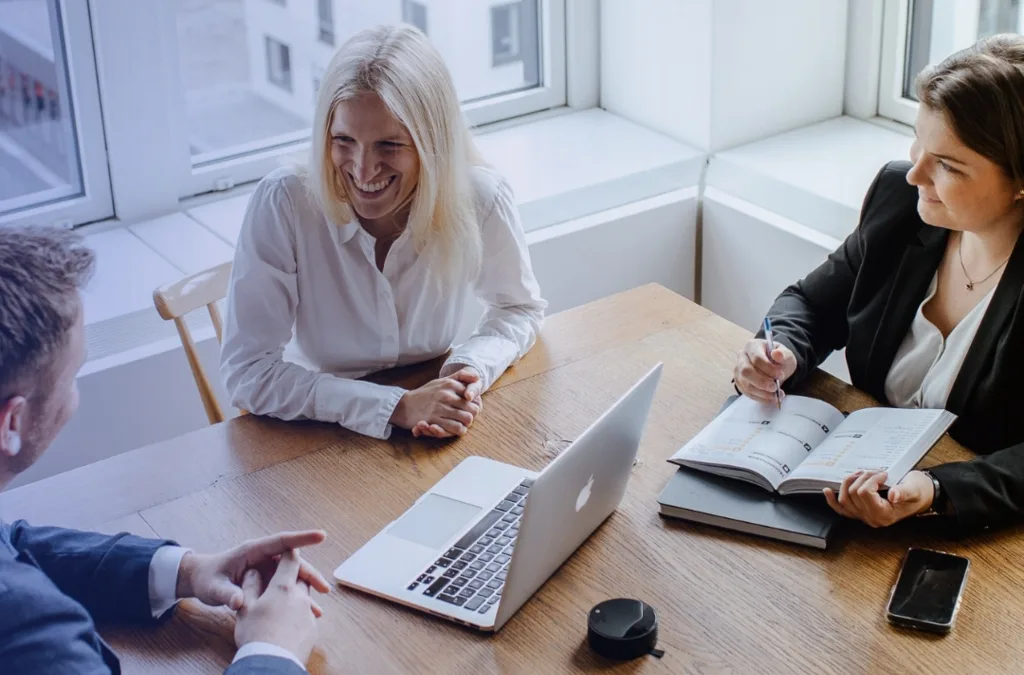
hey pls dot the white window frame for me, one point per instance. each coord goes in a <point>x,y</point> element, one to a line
<point>95,202</point>
<point>144,107</point>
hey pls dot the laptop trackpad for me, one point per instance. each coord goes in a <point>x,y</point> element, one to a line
<point>434,520</point>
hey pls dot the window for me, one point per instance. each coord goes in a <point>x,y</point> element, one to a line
<point>415,13</point>
<point>325,14</point>
<point>279,63</point>
<point>46,174</point>
<point>505,43</point>
<point>920,32</point>
<point>236,96</point>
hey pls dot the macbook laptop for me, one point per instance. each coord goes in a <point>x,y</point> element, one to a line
<point>481,542</point>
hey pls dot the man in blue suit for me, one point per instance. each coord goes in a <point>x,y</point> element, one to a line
<point>55,583</point>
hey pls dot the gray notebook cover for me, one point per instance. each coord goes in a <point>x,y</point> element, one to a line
<point>736,505</point>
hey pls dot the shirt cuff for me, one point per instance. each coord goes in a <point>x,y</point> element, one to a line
<point>163,578</point>
<point>457,362</point>
<point>266,649</point>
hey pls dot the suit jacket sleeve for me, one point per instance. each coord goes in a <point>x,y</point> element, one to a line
<point>809,317</point>
<point>264,665</point>
<point>985,491</point>
<point>108,575</point>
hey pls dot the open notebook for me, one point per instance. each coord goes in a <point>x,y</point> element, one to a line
<point>808,445</point>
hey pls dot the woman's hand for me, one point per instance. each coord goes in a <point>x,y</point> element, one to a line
<point>755,374</point>
<point>439,409</point>
<point>858,497</point>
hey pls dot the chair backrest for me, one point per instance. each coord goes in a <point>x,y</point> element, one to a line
<point>174,301</point>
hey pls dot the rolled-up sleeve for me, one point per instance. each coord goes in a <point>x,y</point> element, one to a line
<point>514,308</point>
<point>262,301</point>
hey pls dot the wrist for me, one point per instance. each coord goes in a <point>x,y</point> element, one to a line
<point>399,413</point>
<point>184,588</point>
<point>932,504</point>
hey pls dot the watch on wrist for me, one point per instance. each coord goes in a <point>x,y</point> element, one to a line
<point>938,506</point>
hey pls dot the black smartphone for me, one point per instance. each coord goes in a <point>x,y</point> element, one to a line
<point>928,591</point>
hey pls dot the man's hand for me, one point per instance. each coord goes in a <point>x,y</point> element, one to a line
<point>216,579</point>
<point>279,615</point>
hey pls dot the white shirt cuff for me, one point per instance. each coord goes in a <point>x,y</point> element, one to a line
<point>265,649</point>
<point>163,578</point>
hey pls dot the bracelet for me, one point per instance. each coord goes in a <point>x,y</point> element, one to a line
<point>937,507</point>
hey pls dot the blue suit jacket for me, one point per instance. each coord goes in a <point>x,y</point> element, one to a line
<point>54,583</point>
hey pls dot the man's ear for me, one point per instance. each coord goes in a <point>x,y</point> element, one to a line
<point>12,425</point>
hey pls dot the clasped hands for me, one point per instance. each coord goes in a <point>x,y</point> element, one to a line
<point>441,408</point>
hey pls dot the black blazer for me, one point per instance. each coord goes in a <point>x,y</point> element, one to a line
<point>864,298</point>
<point>54,583</point>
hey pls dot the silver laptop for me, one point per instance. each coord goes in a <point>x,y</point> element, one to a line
<point>482,541</point>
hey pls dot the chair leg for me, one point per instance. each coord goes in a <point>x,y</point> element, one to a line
<point>213,411</point>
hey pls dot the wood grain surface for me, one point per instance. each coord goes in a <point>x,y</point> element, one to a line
<point>726,602</point>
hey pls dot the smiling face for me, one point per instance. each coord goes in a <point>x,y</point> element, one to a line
<point>958,188</point>
<point>375,157</point>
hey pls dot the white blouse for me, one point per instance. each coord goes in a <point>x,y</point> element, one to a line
<point>313,287</point>
<point>926,364</point>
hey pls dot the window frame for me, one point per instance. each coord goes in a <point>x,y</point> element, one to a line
<point>83,105</point>
<point>146,92</point>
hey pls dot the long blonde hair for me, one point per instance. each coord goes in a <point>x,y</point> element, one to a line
<point>404,69</point>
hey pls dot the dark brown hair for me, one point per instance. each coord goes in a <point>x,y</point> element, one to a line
<point>41,270</point>
<point>981,91</point>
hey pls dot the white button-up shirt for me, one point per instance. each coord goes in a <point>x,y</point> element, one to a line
<point>312,286</point>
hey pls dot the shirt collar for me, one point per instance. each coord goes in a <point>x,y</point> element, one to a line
<point>348,230</point>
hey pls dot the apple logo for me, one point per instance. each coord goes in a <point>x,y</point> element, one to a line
<point>584,495</point>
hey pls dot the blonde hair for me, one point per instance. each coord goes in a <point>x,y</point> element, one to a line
<point>404,69</point>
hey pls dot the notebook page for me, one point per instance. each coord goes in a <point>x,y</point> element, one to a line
<point>761,438</point>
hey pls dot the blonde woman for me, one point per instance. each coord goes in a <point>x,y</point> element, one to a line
<point>365,260</point>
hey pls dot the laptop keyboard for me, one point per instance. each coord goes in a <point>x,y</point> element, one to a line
<point>472,573</point>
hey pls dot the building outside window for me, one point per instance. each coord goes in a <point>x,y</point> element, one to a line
<point>279,67</point>
<point>415,13</point>
<point>325,16</point>
<point>505,26</point>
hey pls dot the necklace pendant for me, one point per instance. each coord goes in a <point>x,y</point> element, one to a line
<point>970,285</point>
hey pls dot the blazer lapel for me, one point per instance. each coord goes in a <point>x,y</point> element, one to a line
<point>917,267</point>
<point>1005,300</point>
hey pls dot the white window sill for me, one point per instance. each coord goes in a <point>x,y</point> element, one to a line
<point>817,175</point>
<point>562,167</point>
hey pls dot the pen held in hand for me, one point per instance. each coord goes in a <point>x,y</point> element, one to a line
<point>770,347</point>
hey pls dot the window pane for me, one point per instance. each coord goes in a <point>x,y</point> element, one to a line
<point>39,159</point>
<point>251,67</point>
<point>936,29</point>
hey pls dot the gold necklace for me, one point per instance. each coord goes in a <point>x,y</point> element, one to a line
<point>971,282</point>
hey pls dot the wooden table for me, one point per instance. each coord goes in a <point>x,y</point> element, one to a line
<point>727,602</point>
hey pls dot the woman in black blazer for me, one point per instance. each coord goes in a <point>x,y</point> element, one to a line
<point>927,296</point>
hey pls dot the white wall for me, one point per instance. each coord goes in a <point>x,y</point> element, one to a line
<point>718,73</point>
<point>148,395</point>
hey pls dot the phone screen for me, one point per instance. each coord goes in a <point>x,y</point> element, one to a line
<point>929,586</point>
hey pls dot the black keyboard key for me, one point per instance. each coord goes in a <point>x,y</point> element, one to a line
<point>520,491</point>
<point>512,532</point>
<point>454,553</point>
<point>458,565</point>
<point>428,580</point>
<point>494,532</point>
<point>508,518</point>
<point>477,565</point>
<point>496,548</point>
<point>493,567</point>
<point>502,559</point>
<point>484,576</point>
<point>435,587</point>
<point>486,541</point>
<point>481,526</point>
<point>527,483</point>
<point>444,562</point>
<point>423,577</point>
<point>499,527</point>
<point>467,593</point>
<point>474,603</point>
<point>476,583</point>
<point>431,570</point>
<point>447,598</point>
<point>412,586</point>
<point>494,583</point>
<point>468,557</point>
<point>475,549</point>
<point>459,601</point>
<point>513,496</point>
<point>505,506</point>
<point>458,583</point>
<point>486,557</point>
<point>501,575</point>
<point>518,510</point>
<point>493,599</point>
<point>485,593</point>
<point>504,541</point>
<point>484,609</point>
<point>450,574</point>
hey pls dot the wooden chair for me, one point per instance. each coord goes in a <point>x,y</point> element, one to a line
<point>174,301</point>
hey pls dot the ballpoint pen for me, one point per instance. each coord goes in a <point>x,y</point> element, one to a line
<point>771,348</point>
